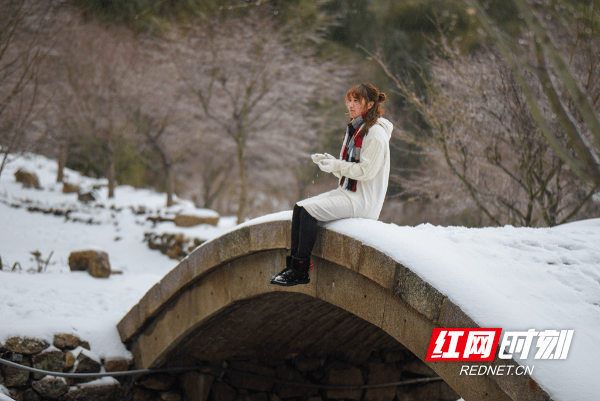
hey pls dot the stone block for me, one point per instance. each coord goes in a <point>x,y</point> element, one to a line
<point>86,364</point>
<point>407,326</point>
<point>25,345</point>
<point>288,390</point>
<point>53,361</point>
<point>176,280</point>
<point>452,316</point>
<point>51,387</point>
<point>377,266</point>
<point>196,386</point>
<point>519,387</point>
<point>380,373</point>
<point>341,249</point>
<point>130,324</point>
<point>251,376</point>
<point>69,188</point>
<point>418,293</point>
<point>222,392</point>
<point>96,393</point>
<point>157,381</point>
<point>271,235</point>
<point>14,377</point>
<point>116,365</point>
<point>150,303</point>
<point>94,262</point>
<point>170,396</point>
<point>204,258</point>
<point>344,375</point>
<point>351,291</point>
<point>234,244</point>
<point>306,364</point>
<point>190,220</point>
<point>65,341</point>
<point>27,178</point>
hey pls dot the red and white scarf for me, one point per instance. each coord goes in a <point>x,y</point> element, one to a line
<point>351,149</point>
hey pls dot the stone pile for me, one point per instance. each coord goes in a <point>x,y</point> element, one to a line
<point>268,380</point>
<point>68,353</point>
<point>175,246</point>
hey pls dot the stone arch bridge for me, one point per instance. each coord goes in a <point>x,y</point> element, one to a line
<point>217,304</point>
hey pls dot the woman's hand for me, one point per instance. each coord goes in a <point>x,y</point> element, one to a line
<point>317,157</point>
<point>327,165</point>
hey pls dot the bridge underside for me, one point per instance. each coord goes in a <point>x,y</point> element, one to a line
<point>283,325</point>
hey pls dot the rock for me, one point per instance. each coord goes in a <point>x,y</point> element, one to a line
<point>257,397</point>
<point>49,360</point>
<point>257,379</point>
<point>101,392</point>
<point>158,381</point>
<point>86,364</point>
<point>14,377</point>
<point>85,344</point>
<point>69,188</point>
<point>94,262</point>
<point>304,364</point>
<point>344,375</point>
<point>288,374</point>
<point>50,387</point>
<point>31,395</point>
<point>143,394</point>
<point>116,365</point>
<point>28,346</point>
<point>86,196</point>
<point>197,386</point>
<point>28,178</point>
<point>223,392</point>
<point>171,396</point>
<point>190,220</point>
<point>66,341</point>
<point>69,361</point>
<point>381,373</point>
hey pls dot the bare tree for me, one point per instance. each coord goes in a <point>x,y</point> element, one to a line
<point>580,123</point>
<point>255,89</point>
<point>97,85</point>
<point>23,26</point>
<point>483,136</point>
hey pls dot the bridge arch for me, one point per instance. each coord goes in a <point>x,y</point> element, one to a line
<point>218,303</point>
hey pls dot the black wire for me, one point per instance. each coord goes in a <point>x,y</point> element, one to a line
<point>209,369</point>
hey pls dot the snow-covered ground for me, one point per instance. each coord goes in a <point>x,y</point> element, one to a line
<point>514,278</point>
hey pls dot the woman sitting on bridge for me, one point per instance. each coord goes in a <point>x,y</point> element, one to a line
<point>363,169</point>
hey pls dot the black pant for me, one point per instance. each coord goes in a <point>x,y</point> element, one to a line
<point>304,233</point>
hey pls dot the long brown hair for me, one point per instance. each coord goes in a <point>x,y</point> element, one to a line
<point>370,94</point>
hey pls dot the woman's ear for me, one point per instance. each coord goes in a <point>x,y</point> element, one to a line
<point>369,105</point>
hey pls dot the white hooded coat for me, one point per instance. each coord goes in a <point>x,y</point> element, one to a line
<point>372,174</point>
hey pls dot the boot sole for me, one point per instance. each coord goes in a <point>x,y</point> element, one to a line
<point>284,284</point>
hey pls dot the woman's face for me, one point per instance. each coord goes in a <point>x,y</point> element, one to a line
<point>357,107</point>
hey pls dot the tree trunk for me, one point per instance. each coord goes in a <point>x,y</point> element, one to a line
<point>110,173</point>
<point>243,183</point>
<point>62,160</point>
<point>170,184</point>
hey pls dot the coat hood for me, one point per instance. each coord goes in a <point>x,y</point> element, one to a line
<point>387,126</point>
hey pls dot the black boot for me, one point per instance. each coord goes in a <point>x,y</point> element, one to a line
<point>296,272</point>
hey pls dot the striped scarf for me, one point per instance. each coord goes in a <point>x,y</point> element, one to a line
<point>351,150</point>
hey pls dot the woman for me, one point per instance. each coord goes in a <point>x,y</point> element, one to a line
<point>363,169</point>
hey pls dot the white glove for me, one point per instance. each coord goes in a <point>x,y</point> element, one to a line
<point>317,157</point>
<point>327,165</point>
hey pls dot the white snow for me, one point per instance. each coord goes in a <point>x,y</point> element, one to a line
<point>513,278</point>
